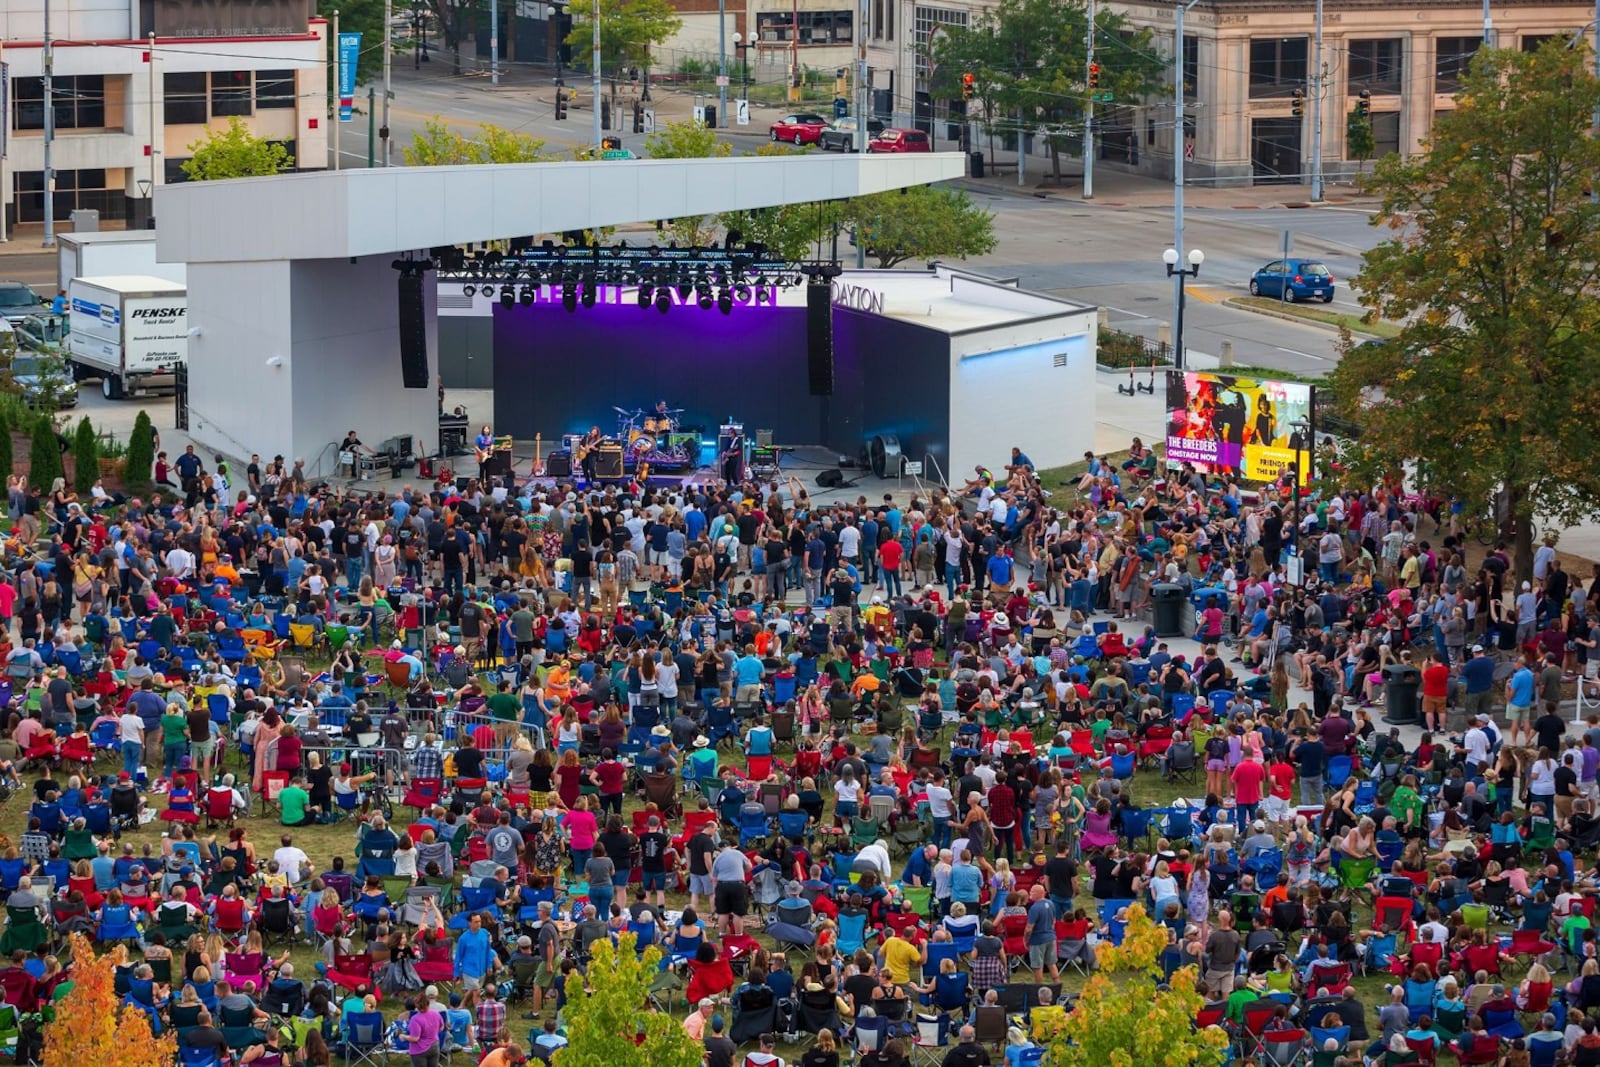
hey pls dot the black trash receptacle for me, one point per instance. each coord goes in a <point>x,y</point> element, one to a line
<point>977,164</point>
<point>1166,602</point>
<point>1401,685</point>
<point>711,116</point>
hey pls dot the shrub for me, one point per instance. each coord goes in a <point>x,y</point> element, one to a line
<point>44,461</point>
<point>141,453</point>
<point>85,457</point>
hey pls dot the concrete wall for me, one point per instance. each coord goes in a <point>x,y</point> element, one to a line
<point>242,315</point>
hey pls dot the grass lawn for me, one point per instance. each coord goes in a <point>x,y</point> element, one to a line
<point>1356,324</point>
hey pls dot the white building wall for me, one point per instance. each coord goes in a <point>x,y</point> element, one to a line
<point>239,315</point>
<point>70,20</point>
<point>1006,390</point>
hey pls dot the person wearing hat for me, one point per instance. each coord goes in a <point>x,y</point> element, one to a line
<point>1477,682</point>
<point>703,759</point>
<point>695,1025</point>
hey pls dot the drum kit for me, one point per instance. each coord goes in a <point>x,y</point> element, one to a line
<point>652,438</point>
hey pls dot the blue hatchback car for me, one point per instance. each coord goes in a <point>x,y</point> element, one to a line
<point>1293,279</point>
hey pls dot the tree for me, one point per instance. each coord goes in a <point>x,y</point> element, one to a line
<point>1359,142</point>
<point>85,456</point>
<point>438,145</point>
<point>1493,270</point>
<point>1124,1017</point>
<point>141,452</point>
<point>609,1022</point>
<point>355,16</point>
<point>235,153</point>
<point>1030,66</point>
<point>687,140</point>
<point>789,230</point>
<point>628,30</point>
<point>921,222</point>
<point>6,458</point>
<point>44,456</point>
<point>90,1026</point>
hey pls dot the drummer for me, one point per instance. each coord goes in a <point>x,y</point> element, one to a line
<point>660,420</point>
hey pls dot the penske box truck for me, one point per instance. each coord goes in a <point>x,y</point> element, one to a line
<point>131,331</point>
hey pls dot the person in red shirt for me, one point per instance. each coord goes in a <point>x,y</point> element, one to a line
<point>1280,798</point>
<point>890,553</point>
<point>1248,779</point>
<point>1435,693</point>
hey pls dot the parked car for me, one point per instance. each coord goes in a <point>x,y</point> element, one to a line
<point>42,333</point>
<point>802,127</point>
<point>17,301</point>
<point>840,134</point>
<point>1293,279</point>
<point>44,381</point>
<point>895,139</point>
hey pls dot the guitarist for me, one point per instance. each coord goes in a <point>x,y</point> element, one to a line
<point>484,446</point>
<point>587,447</point>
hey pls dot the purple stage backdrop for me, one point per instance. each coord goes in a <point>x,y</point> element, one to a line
<point>558,372</point>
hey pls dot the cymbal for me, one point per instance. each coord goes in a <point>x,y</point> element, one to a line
<point>622,411</point>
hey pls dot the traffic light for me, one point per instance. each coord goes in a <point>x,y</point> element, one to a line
<point>1094,76</point>
<point>969,86</point>
<point>1364,103</point>
<point>1299,102</point>
<point>638,117</point>
<point>561,104</point>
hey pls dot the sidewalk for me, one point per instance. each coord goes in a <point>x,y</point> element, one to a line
<point>1116,187</point>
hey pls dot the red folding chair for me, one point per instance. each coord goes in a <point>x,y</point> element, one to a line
<point>1284,1048</point>
<point>1529,943</point>
<point>1426,1049</point>
<point>272,783</point>
<point>423,793</point>
<point>353,973</point>
<point>1478,1049</point>
<point>1014,937</point>
<point>1475,958</point>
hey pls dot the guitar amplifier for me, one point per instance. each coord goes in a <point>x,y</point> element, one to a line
<point>608,461</point>
<point>499,463</point>
<point>558,464</point>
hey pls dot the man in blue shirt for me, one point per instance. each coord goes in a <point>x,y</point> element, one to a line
<point>966,881</point>
<point>1041,934</point>
<point>1519,702</point>
<point>747,672</point>
<point>1000,568</point>
<point>474,956</point>
<point>1477,676</point>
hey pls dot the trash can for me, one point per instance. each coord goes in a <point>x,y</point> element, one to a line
<point>711,116</point>
<point>1166,603</point>
<point>1401,685</point>
<point>977,164</point>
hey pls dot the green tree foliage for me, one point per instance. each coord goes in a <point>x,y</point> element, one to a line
<point>608,1011</point>
<point>1029,62</point>
<point>687,140</point>
<point>6,457</point>
<point>85,456</point>
<point>235,153</point>
<point>44,456</point>
<point>365,17</point>
<point>1358,138</point>
<point>790,230</point>
<point>628,30</point>
<point>439,145</point>
<point>921,222</point>
<point>141,452</point>
<point>1494,268</point>
<point>1126,1017</point>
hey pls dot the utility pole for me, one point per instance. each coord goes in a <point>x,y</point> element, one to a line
<point>1317,74</point>
<point>722,63</point>
<point>49,134</point>
<point>1179,147</point>
<point>334,118</point>
<point>4,148</point>
<point>388,49</point>
<point>494,42</point>
<point>1088,116</point>
<point>862,77</point>
<point>155,145</point>
<point>595,63</point>
<point>1488,25</point>
<point>372,122</point>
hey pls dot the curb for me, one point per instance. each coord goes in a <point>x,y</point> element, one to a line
<point>1233,302</point>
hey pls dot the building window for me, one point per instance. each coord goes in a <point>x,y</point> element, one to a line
<point>1532,42</point>
<point>185,99</point>
<point>274,88</point>
<point>74,189</point>
<point>230,92</point>
<point>1452,57</point>
<point>924,21</point>
<point>814,27</point>
<point>1385,133</point>
<point>79,103</point>
<point>1191,66</point>
<point>1375,65</point>
<point>1277,66</point>
<point>172,171</point>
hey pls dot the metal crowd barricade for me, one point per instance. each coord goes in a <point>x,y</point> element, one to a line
<point>391,765</point>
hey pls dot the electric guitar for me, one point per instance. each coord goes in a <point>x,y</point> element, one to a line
<point>581,452</point>
<point>483,453</point>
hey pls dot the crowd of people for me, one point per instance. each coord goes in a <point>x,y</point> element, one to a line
<point>878,773</point>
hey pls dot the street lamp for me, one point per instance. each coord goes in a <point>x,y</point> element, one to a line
<point>145,186</point>
<point>740,45</point>
<point>1182,274</point>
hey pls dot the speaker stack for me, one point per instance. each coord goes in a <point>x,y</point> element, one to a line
<point>413,331</point>
<point>819,337</point>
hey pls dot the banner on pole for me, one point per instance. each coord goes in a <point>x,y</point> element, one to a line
<point>349,60</point>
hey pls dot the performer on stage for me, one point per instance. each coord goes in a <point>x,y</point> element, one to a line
<point>587,447</point>
<point>484,444</point>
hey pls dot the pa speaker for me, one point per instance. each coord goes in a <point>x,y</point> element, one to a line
<point>413,332</point>
<point>830,479</point>
<point>819,337</point>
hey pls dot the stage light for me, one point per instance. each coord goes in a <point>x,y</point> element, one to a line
<point>703,295</point>
<point>569,297</point>
<point>508,296</point>
<point>741,292</point>
<point>489,291</point>
<point>663,301</point>
<point>644,296</point>
<point>527,295</point>
<point>725,301</point>
<point>469,291</point>
<point>589,290</point>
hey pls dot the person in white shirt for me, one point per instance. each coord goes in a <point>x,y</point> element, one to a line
<point>292,861</point>
<point>1476,742</point>
<point>180,562</point>
<point>876,854</point>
